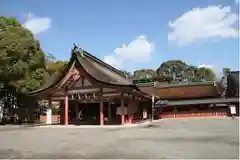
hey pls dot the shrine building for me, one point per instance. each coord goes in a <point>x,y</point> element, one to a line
<point>93,92</point>
<point>200,99</point>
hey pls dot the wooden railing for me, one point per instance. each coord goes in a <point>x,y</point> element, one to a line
<point>194,114</point>
<point>55,118</point>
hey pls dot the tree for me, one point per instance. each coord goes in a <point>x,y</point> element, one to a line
<point>190,74</point>
<point>205,74</point>
<point>144,73</point>
<point>226,71</point>
<point>22,65</point>
<point>126,73</point>
<point>50,58</point>
<point>55,66</point>
<point>173,70</point>
<point>178,71</point>
<point>22,61</point>
<point>223,81</point>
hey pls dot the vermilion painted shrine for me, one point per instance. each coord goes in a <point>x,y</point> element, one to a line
<point>93,92</point>
<point>90,83</point>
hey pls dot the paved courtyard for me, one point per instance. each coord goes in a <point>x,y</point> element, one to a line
<point>185,138</point>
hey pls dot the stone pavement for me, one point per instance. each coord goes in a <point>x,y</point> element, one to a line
<point>212,138</point>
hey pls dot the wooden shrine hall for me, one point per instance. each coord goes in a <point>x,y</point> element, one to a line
<point>94,90</point>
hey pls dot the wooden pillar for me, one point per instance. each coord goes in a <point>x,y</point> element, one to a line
<point>174,111</point>
<point>76,110</point>
<point>122,109</point>
<point>130,119</point>
<point>62,112</point>
<point>101,109</point>
<point>109,112</point>
<point>160,112</point>
<point>131,105</point>
<point>66,107</point>
<point>101,113</point>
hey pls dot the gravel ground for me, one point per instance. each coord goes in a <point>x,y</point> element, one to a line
<point>182,138</point>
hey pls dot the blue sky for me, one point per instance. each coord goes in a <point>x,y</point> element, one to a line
<point>135,34</point>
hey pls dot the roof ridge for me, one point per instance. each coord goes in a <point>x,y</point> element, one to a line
<point>188,84</point>
<point>75,50</point>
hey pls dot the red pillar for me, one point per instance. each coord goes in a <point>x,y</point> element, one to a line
<point>66,108</point>
<point>109,112</point>
<point>122,108</point>
<point>174,112</point>
<point>101,113</point>
<point>130,119</point>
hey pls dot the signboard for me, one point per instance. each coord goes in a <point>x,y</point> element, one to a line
<point>130,109</point>
<point>121,111</point>
<point>232,109</point>
<point>153,99</point>
<point>1,109</point>
<point>49,116</point>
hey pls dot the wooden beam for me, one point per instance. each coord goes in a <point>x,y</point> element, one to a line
<point>92,95</point>
<point>82,83</point>
<point>84,87</point>
<point>72,84</point>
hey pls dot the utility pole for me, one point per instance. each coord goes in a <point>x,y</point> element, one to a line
<point>152,108</point>
<point>153,100</point>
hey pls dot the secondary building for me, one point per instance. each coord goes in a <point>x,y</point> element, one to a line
<point>191,100</point>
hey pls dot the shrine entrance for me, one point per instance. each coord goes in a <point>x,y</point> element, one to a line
<point>88,114</point>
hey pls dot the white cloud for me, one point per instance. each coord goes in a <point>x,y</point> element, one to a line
<point>37,24</point>
<point>203,23</point>
<point>111,60</point>
<point>205,66</point>
<point>138,50</point>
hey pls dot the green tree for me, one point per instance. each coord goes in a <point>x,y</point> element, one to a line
<point>22,61</point>
<point>56,66</point>
<point>205,74</point>
<point>173,70</point>
<point>144,73</point>
<point>178,71</point>
<point>226,71</point>
<point>126,73</point>
<point>50,58</point>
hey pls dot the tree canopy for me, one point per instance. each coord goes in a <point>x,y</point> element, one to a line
<point>180,72</point>
<point>126,73</point>
<point>144,73</point>
<point>176,71</point>
<point>53,66</point>
<point>22,61</point>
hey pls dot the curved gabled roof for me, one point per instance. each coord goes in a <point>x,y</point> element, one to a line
<point>94,68</point>
<point>101,71</point>
<point>166,91</point>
